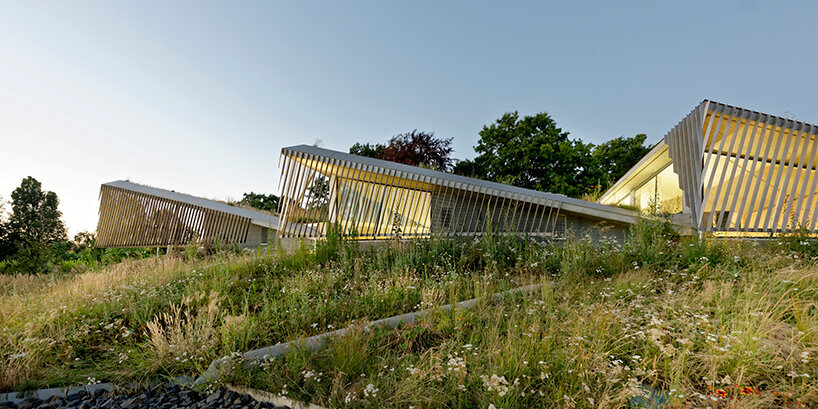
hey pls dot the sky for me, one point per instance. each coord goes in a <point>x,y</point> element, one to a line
<point>201,96</point>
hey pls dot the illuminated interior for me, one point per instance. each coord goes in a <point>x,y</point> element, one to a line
<point>755,173</point>
<point>372,210</point>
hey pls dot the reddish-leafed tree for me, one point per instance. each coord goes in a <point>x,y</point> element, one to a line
<point>419,148</point>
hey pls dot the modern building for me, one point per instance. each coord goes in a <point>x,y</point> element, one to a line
<point>134,215</point>
<point>722,170</point>
<point>371,199</point>
<point>728,171</point>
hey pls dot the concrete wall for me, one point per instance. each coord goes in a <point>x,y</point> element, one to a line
<point>260,236</point>
<point>579,226</point>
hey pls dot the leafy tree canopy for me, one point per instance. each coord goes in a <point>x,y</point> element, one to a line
<point>35,216</point>
<point>534,153</point>
<point>612,159</point>
<point>260,201</point>
<point>368,150</point>
<point>531,152</point>
<point>415,148</point>
<point>420,149</point>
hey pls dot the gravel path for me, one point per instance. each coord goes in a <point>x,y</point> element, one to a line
<point>162,396</point>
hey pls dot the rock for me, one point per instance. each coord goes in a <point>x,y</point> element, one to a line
<point>131,403</point>
<point>213,397</point>
<point>73,397</point>
<point>26,404</point>
<point>160,397</point>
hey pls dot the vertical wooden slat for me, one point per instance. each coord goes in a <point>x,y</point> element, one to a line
<point>755,205</point>
<point>324,174</point>
<point>343,197</point>
<point>309,180</point>
<point>787,167</point>
<point>770,173</point>
<point>739,177</point>
<point>753,182</point>
<point>416,201</point>
<point>292,185</point>
<point>282,200</point>
<point>812,161</point>
<point>712,168</point>
<point>720,203</point>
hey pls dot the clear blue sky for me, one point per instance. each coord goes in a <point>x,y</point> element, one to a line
<point>200,96</point>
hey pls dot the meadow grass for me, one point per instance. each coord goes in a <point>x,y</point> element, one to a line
<point>704,323</point>
<point>174,314</point>
<point>709,323</point>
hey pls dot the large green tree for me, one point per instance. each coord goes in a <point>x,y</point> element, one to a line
<point>34,226</point>
<point>34,213</point>
<point>534,153</point>
<point>260,201</point>
<point>368,150</point>
<point>612,159</point>
<point>531,152</point>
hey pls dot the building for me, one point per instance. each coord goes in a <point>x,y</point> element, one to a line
<point>371,199</point>
<point>728,171</point>
<point>134,215</point>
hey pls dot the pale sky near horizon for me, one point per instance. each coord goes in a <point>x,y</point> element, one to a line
<point>201,96</point>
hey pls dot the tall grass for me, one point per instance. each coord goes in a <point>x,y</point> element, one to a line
<point>701,323</point>
<point>171,315</point>
<point>679,315</point>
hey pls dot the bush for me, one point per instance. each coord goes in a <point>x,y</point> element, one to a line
<point>651,241</point>
<point>801,242</point>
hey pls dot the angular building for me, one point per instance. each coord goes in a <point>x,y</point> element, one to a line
<point>134,215</point>
<point>728,171</point>
<point>371,199</point>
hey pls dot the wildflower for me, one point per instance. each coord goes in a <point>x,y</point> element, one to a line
<point>456,364</point>
<point>495,383</point>
<point>747,390</point>
<point>371,390</point>
<point>721,393</point>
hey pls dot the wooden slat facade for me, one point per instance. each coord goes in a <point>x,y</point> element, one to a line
<point>742,172</point>
<point>373,199</point>
<point>134,219</point>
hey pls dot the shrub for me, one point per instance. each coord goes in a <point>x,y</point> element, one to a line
<point>801,242</point>
<point>651,241</point>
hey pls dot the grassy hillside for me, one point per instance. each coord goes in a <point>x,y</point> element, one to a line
<point>709,323</point>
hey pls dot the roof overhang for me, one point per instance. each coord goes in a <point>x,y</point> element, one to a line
<point>257,218</point>
<point>428,179</point>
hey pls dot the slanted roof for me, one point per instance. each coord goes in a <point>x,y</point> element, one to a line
<point>256,217</point>
<point>421,178</point>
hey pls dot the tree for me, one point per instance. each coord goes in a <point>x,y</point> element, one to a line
<point>35,216</point>
<point>415,148</point>
<point>468,167</point>
<point>420,149</point>
<point>6,246</point>
<point>318,192</point>
<point>533,153</point>
<point>260,201</point>
<point>612,159</point>
<point>368,150</point>
<point>33,228</point>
